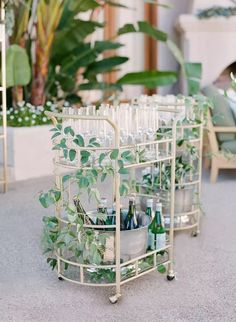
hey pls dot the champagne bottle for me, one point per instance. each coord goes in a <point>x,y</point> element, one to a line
<point>131,221</point>
<point>160,228</point>
<point>121,216</point>
<point>81,212</point>
<point>149,213</point>
<point>102,210</point>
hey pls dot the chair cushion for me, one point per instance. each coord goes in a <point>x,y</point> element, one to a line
<point>222,113</point>
<point>229,146</point>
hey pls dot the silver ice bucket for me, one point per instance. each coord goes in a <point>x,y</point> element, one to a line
<point>133,243</point>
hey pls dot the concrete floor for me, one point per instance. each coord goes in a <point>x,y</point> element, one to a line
<point>204,289</point>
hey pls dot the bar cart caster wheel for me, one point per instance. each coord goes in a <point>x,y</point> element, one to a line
<point>170,277</point>
<point>60,278</point>
<point>114,299</point>
<point>194,234</point>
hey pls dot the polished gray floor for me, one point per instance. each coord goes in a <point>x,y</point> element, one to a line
<point>204,289</point>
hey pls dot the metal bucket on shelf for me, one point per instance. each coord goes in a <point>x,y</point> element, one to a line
<point>183,200</point>
<point>133,243</point>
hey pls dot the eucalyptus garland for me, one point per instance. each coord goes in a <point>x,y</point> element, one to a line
<point>217,11</point>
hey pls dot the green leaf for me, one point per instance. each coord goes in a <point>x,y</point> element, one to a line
<point>94,172</point>
<point>103,177</point>
<point>83,5</point>
<point>65,153</point>
<point>101,158</point>
<point>69,130</point>
<point>79,140</point>
<point>150,79</point>
<point>73,33</point>
<point>84,182</point>
<point>127,156</point>
<point>99,86</point>
<point>180,142</point>
<point>57,194</point>
<point>114,154</point>
<point>193,70</point>
<point>52,262</point>
<point>93,142</point>
<point>56,147</point>
<point>18,69</point>
<point>143,27</point>
<point>72,154</point>
<point>127,28</point>
<point>123,171</point>
<point>101,46</point>
<point>85,156</point>
<point>104,65</point>
<point>54,129</point>
<point>43,201</point>
<point>55,135</point>
<point>121,163</point>
<point>176,52</point>
<point>66,178</point>
<point>149,30</point>
<point>63,144</point>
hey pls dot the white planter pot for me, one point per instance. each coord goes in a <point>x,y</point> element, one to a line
<point>29,152</point>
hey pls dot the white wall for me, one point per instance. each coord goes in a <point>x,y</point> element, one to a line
<point>133,44</point>
<point>167,20</point>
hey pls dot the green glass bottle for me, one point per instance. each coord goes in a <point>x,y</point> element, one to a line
<point>131,221</point>
<point>160,228</point>
<point>149,213</point>
<point>114,216</point>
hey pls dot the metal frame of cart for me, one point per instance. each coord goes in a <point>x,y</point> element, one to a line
<point>3,135</point>
<point>195,179</point>
<point>116,183</point>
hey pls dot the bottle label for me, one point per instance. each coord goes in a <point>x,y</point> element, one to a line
<point>160,240</point>
<point>151,240</point>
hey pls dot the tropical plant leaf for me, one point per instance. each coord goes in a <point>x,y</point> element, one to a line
<point>127,28</point>
<point>67,39</point>
<point>192,72</point>
<point>105,65</point>
<point>18,70</point>
<point>101,46</point>
<point>150,79</point>
<point>176,52</point>
<point>149,30</point>
<point>143,27</point>
<point>99,86</point>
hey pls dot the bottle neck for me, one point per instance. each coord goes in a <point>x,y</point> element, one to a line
<point>158,218</point>
<point>131,209</point>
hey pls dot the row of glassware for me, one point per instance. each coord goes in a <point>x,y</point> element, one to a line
<point>138,121</point>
